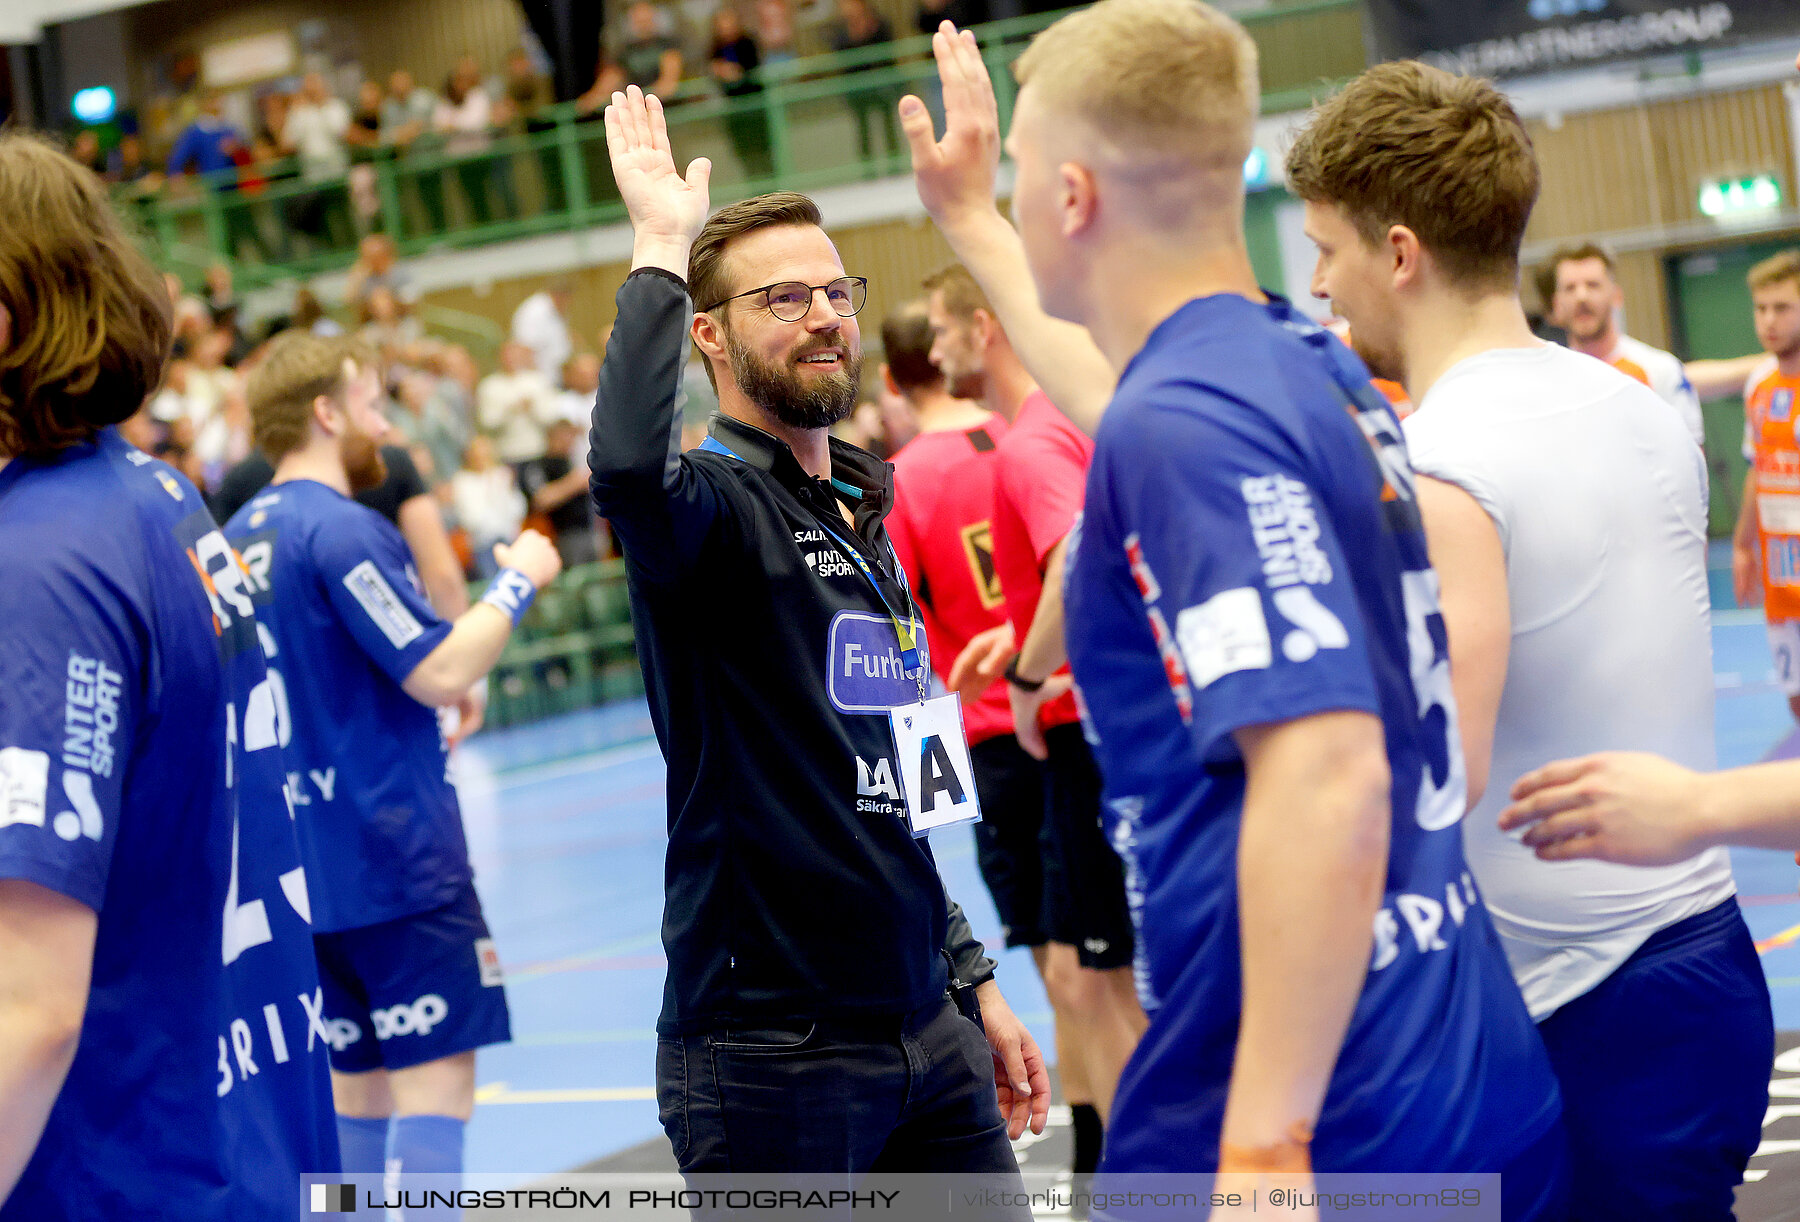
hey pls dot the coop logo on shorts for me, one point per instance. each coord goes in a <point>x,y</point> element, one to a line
<point>417,1018</point>
<point>864,673</point>
<point>340,1033</point>
<point>334,1198</point>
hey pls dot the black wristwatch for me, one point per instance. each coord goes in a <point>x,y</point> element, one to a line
<point>1020,681</point>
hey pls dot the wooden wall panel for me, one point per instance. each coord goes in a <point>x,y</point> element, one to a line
<point>1640,167</point>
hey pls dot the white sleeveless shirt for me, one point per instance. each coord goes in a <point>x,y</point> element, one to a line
<point>1599,495</point>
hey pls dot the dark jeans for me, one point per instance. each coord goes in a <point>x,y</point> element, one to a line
<point>825,1096</point>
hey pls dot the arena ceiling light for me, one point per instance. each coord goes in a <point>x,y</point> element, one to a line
<point>95,105</point>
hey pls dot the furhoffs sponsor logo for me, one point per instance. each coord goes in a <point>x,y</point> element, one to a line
<point>864,672</point>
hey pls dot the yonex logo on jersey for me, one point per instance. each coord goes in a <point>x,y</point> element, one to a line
<point>415,1019</point>
<point>1286,531</point>
<point>90,714</point>
<point>24,785</point>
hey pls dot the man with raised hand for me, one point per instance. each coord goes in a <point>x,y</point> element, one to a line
<point>412,980</point>
<point>162,1050</point>
<point>1566,511</point>
<point>816,967</point>
<point>1274,723</point>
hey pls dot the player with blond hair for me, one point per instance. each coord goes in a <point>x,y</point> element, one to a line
<point>1274,723</point>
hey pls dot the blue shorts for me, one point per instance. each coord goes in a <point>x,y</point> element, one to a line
<point>412,990</point>
<point>1664,1068</point>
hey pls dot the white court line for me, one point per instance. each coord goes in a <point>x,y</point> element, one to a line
<point>499,1092</point>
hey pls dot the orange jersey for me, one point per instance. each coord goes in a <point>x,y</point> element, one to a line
<point>1630,368</point>
<point>1769,415</point>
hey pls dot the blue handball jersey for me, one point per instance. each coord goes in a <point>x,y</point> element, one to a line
<point>380,829</point>
<point>140,775</point>
<point>1251,553</point>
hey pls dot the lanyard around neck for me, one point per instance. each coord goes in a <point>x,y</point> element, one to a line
<point>906,630</point>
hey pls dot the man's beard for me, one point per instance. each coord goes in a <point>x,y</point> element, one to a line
<point>363,466</point>
<point>816,403</point>
<point>1586,327</point>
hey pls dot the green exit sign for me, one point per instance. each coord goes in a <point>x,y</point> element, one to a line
<point>1733,197</point>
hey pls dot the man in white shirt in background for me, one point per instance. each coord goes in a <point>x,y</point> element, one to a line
<point>1587,302</point>
<point>516,405</point>
<point>1566,517</point>
<point>314,133</point>
<point>541,323</point>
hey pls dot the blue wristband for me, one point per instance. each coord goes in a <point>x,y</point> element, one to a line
<point>512,592</point>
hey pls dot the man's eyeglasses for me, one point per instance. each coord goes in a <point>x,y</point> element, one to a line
<point>790,301</point>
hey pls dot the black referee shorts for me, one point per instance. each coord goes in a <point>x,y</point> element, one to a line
<point>1008,840</point>
<point>1085,880</point>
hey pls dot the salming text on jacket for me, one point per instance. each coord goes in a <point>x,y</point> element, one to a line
<point>792,884</point>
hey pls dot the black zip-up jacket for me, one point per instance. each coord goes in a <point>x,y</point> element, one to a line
<point>793,887</point>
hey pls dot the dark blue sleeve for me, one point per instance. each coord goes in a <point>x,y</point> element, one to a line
<point>662,505</point>
<point>182,153</point>
<point>1233,547</point>
<point>72,665</point>
<point>367,572</point>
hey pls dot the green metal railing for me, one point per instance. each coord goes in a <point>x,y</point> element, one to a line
<point>817,122</point>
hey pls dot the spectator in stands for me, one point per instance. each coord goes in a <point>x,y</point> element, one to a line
<point>223,309</point>
<point>126,163</point>
<point>428,421</point>
<point>733,62</point>
<point>649,55</point>
<point>465,118</point>
<point>407,114</point>
<point>859,26</point>
<point>211,147</point>
<point>377,266</point>
<point>775,31</point>
<point>314,133</point>
<point>960,13</point>
<point>528,92</point>
<point>556,486</point>
<point>580,383</point>
<point>386,325</point>
<point>309,315</point>
<point>85,150</point>
<point>487,503</point>
<point>514,407</point>
<point>363,137</point>
<point>541,323</point>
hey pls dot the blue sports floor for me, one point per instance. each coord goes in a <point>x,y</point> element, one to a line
<point>565,823</point>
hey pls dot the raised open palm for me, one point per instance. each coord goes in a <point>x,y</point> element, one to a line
<point>663,204</point>
<point>957,173</point>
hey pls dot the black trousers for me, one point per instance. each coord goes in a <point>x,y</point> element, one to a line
<point>913,1094</point>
